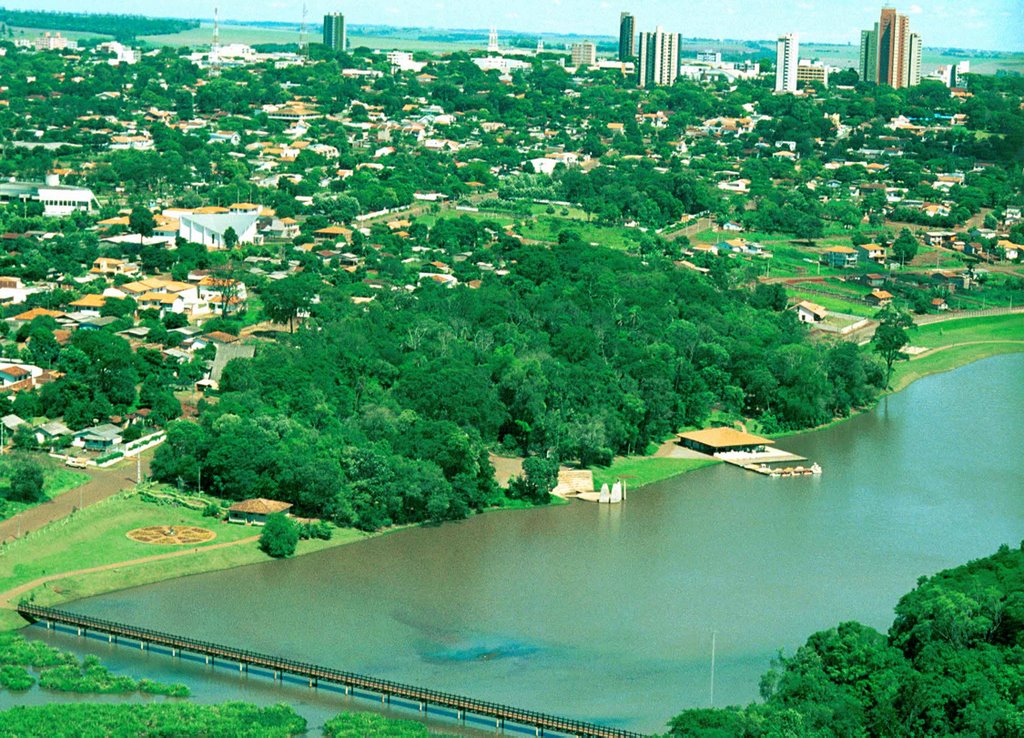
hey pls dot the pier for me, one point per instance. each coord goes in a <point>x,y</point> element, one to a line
<point>315,675</point>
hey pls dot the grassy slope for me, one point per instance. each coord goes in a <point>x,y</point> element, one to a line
<point>638,471</point>
<point>96,537</point>
<point>969,339</point>
<point>57,481</point>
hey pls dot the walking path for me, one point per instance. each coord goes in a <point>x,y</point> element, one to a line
<point>936,349</point>
<point>104,483</point>
<point>8,598</point>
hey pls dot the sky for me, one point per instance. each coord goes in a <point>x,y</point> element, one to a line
<point>973,24</point>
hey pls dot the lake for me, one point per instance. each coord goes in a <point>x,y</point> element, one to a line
<point>606,613</point>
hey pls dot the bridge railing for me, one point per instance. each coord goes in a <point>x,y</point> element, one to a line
<point>313,671</point>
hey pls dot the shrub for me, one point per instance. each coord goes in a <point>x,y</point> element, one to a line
<point>280,536</point>
<point>15,678</point>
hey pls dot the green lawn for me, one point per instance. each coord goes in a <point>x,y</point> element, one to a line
<point>56,481</point>
<point>969,339</point>
<point>638,471</point>
<point>96,536</point>
<point>547,228</point>
<point>836,303</point>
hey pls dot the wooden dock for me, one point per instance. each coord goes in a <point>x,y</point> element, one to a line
<point>425,698</point>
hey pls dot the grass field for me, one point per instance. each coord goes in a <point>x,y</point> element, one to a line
<point>968,340</point>
<point>638,471</point>
<point>96,537</point>
<point>56,481</point>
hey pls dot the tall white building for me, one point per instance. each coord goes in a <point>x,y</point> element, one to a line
<point>787,58</point>
<point>658,62</point>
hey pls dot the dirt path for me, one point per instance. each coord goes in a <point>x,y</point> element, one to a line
<point>104,483</point>
<point>7,599</point>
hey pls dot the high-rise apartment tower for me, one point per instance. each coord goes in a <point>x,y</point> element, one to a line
<point>627,37</point>
<point>658,59</point>
<point>787,57</point>
<point>334,31</point>
<point>889,53</point>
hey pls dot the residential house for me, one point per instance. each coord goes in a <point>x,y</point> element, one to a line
<point>879,298</point>
<point>50,432</point>
<point>808,312</point>
<point>841,257</point>
<point>89,305</point>
<point>871,252</point>
<point>109,267</point>
<point>220,290</point>
<point>98,438</point>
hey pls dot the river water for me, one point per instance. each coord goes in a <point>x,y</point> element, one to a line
<point>606,613</point>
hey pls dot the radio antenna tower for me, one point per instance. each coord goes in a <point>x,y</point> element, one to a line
<point>214,57</point>
<point>303,49</point>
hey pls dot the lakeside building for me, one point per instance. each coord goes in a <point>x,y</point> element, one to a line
<point>713,441</point>
<point>659,59</point>
<point>890,54</point>
<point>334,31</point>
<point>787,55</point>
<point>627,37</point>
<point>584,54</point>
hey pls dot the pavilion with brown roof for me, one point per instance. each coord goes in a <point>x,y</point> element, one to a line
<point>716,440</point>
<point>256,510</point>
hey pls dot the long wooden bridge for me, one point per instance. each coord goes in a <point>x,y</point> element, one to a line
<point>461,706</point>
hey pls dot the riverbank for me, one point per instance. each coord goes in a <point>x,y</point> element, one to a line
<point>947,345</point>
<point>94,538</point>
<point>89,553</point>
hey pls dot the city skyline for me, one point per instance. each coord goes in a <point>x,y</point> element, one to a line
<point>983,24</point>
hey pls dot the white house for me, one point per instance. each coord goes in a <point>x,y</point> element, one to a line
<point>808,312</point>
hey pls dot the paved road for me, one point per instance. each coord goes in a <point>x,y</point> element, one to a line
<point>104,483</point>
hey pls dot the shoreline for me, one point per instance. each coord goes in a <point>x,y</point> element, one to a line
<point>953,356</point>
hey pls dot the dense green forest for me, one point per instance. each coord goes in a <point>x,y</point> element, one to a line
<point>383,413</point>
<point>121,27</point>
<point>952,664</point>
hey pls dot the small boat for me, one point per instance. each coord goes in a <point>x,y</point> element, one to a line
<point>604,496</point>
<point>616,495</point>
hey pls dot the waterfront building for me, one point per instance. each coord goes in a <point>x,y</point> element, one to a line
<point>659,59</point>
<point>627,37</point>
<point>787,56</point>
<point>584,54</point>
<point>334,31</point>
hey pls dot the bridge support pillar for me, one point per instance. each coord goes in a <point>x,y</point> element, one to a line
<point>206,659</point>
<point>499,724</point>
<point>385,699</point>
<point>348,690</point>
<point>79,631</point>
<point>110,638</point>
<point>461,715</point>
<point>142,645</point>
<point>49,625</point>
